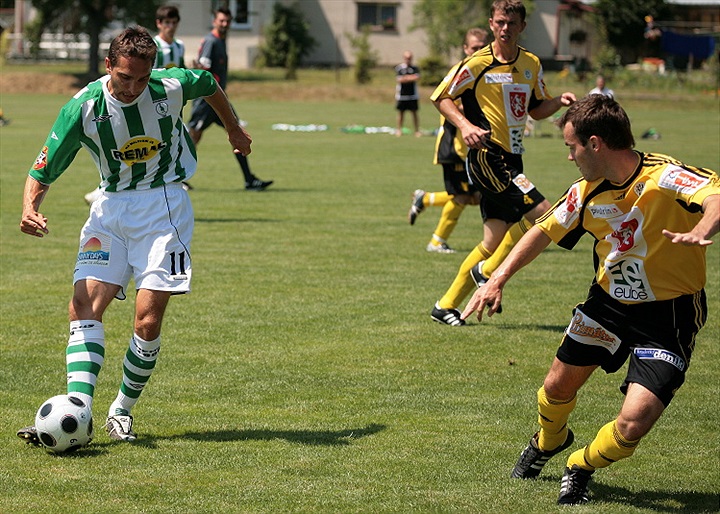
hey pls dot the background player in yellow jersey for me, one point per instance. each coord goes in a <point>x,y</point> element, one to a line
<point>450,152</point>
<point>499,86</point>
<point>651,217</point>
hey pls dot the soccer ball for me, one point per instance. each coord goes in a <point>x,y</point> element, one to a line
<point>64,423</point>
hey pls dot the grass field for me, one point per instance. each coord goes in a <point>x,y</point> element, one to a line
<point>303,373</point>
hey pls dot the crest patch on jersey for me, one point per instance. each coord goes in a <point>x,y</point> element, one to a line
<point>465,76</point>
<point>41,160</point>
<point>681,180</point>
<point>138,149</point>
<point>569,210</point>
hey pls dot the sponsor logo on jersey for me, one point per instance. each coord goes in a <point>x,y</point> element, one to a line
<point>41,160</point>
<point>657,354</point>
<point>94,250</point>
<point>138,149</point>
<point>102,117</point>
<point>628,282</point>
<point>681,180</point>
<point>498,78</point>
<point>464,77</point>
<point>517,103</point>
<point>604,211</point>
<point>523,183</point>
<point>568,211</point>
<point>586,330</point>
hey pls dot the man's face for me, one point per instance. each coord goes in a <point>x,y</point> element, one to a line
<point>506,27</point>
<point>473,45</point>
<point>584,156</point>
<point>221,24</point>
<point>128,78</point>
<point>167,28</point>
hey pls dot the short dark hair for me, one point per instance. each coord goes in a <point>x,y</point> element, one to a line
<point>601,116</point>
<point>133,42</point>
<point>222,10</point>
<point>167,12</point>
<point>508,7</point>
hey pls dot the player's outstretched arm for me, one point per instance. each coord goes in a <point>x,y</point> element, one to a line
<point>32,222</point>
<point>490,294</point>
<point>707,227</point>
<point>549,107</point>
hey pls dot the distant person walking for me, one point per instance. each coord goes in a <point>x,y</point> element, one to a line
<point>214,58</point>
<point>601,89</point>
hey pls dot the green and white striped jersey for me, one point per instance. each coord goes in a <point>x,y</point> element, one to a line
<point>140,145</point>
<point>169,55</point>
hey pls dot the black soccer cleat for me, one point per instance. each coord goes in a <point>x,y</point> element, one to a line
<point>258,185</point>
<point>447,316</point>
<point>533,459</point>
<point>29,435</point>
<point>574,486</point>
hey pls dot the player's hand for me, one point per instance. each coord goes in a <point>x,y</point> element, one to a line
<point>240,140</point>
<point>475,137</point>
<point>686,238</point>
<point>485,296</point>
<point>34,224</point>
<point>567,99</point>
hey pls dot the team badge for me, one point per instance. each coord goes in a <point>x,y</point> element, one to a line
<point>41,160</point>
<point>161,108</point>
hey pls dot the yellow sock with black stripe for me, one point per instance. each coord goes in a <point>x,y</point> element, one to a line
<point>552,417</point>
<point>448,220</point>
<point>607,447</point>
<point>463,283</point>
<point>436,199</point>
<point>512,236</point>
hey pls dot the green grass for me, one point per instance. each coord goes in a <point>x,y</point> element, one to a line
<point>303,373</point>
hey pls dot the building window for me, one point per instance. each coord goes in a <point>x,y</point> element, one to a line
<point>380,17</point>
<point>240,10</point>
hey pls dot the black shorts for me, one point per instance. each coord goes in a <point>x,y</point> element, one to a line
<point>659,338</point>
<point>506,193</point>
<point>456,179</point>
<point>202,115</point>
<point>407,105</point>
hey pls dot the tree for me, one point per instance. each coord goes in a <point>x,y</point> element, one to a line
<point>287,40</point>
<point>365,57</point>
<point>624,23</point>
<point>445,23</point>
<point>92,16</point>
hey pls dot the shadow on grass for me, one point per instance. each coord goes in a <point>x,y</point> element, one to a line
<point>309,437</point>
<point>653,500</point>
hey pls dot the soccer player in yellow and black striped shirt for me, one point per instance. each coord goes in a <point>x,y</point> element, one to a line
<point>499,87</point>
<point>651,217</point>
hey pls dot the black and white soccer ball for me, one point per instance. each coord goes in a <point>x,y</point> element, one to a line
<point>64,423</point>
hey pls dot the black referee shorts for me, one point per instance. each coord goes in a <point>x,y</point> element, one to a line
<point>659,338</point>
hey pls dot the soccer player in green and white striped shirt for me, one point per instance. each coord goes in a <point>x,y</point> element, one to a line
<point>130,121</point>
<point>171,51</point>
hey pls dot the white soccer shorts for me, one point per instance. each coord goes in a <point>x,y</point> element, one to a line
<point>140,234</point>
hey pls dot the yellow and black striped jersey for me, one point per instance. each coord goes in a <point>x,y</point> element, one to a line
<point>497,96</point>
<point>634,261</point>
